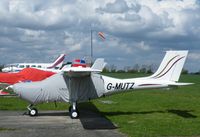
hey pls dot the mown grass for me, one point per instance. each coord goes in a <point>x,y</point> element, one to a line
<point>174,112</point>
<point>6,129</point>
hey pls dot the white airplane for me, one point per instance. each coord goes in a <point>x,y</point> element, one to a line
<point>44,66</point>
<point>76,85</point>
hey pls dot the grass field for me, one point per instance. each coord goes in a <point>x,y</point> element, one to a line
<point>150,113</point>
<point>6,129</point>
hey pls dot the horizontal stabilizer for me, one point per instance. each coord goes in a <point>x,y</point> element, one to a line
<point>180,84</point>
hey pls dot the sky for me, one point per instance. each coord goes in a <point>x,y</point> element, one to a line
<point>136,31</point>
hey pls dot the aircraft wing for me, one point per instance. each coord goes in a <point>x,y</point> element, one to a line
<point>97,67</point>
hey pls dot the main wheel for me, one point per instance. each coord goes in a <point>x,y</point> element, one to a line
<point>33,112</point>
<point>74,114</point>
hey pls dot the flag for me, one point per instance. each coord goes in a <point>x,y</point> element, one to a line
<point>101,35</point>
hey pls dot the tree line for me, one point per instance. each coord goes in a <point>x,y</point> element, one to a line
<point>146,69</point>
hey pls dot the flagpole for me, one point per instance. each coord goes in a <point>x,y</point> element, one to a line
<point>91,48</point>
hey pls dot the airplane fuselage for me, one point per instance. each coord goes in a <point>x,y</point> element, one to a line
<point>116,85</point>
<point>44,66</point>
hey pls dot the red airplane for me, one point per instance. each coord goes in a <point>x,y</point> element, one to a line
<point>26,75</point>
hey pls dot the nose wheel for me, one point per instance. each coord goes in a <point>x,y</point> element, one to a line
<point>32,111</point>
<point>74,114</point>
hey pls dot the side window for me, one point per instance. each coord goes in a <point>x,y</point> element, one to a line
<point>27,66</point>
<point>33,66</point>
<point>21,66</point>
<point>39,66</point>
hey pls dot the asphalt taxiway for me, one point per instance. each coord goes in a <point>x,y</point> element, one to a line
<point>55,123</point>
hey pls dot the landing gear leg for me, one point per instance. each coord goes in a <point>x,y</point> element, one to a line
<point>73,111</point>
<point>32,111</point>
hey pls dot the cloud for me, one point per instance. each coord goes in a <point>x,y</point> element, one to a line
<point>135,29</point>
<point>118,6</point>
<point>142,46</point>
<point>194,56</point>
<point>155,19</point>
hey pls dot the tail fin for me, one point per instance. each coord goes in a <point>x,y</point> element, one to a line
<point>171,66</point>
<point>58,62</point>
<point>99,64</point>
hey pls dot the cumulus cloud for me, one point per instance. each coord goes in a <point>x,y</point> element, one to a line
<point>118,6</point>
<point>142,46</point>
<point>39,30</point>
<point>194,56</point>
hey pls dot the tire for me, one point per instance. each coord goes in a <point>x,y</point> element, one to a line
<point>74,114</point>
<point>33,112</point>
